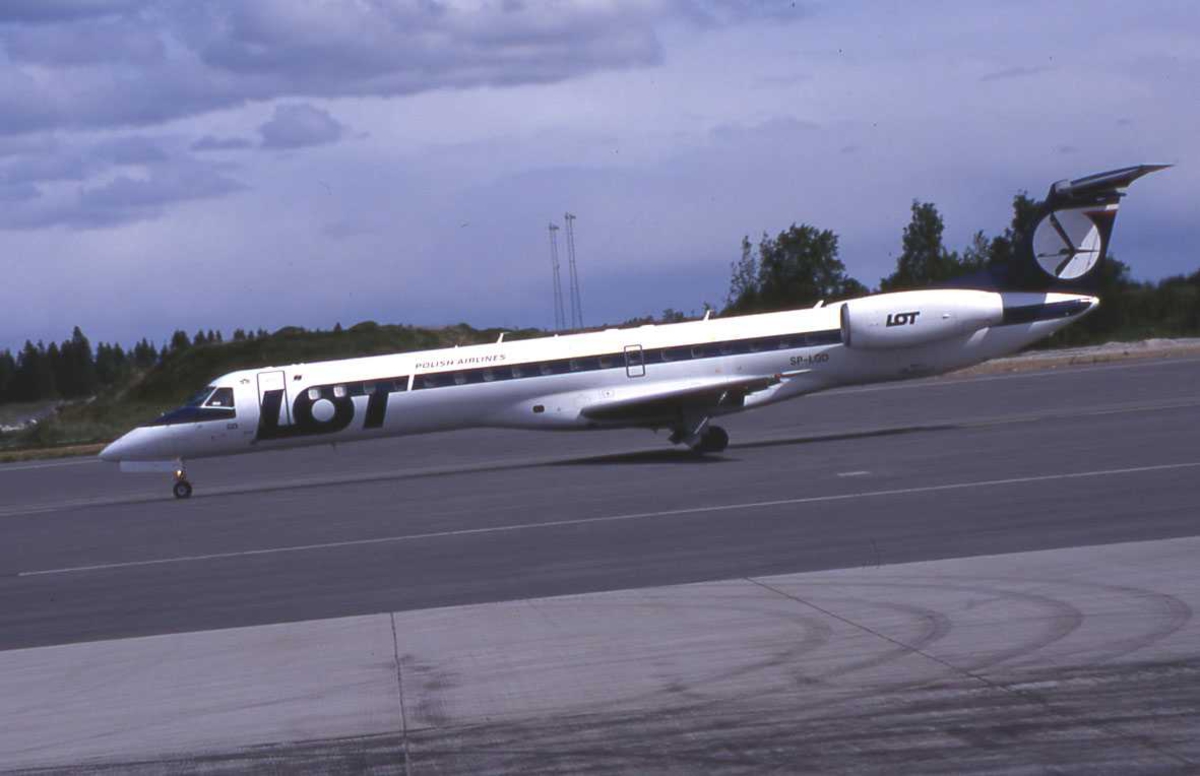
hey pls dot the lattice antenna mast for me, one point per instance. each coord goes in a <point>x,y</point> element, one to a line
<point>576,301</point>
<point>560,315</point>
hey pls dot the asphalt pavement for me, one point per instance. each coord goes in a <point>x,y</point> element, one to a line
<point>859,477</point>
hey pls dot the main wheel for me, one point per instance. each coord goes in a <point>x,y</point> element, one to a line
<point>715,440</point>
<point>183,489</point>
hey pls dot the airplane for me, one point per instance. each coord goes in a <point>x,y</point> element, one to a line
<point>676,377</point>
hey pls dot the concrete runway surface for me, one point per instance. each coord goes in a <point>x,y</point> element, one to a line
<point>387,563</point>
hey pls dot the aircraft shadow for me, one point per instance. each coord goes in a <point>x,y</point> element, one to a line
<point>871,434</point>
<point>677,456</point>
<point>685,456</point>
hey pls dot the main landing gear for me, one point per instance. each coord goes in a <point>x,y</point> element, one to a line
<point>714,439</point>
<point>183,488</point>
<point>702,438</point>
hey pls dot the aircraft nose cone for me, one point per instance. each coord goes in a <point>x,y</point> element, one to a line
<point>113,451</point>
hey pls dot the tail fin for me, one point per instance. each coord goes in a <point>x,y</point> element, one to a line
<point>1072,228</point>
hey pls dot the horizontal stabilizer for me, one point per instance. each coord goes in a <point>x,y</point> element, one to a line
<point>1100,188</point>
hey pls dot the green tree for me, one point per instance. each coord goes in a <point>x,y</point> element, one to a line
<point>1024,220</point>
<point>923,259</point>
<point>34,379</point>
<point>978,254</point>
<point>144,354</point>
<point>797,268</point>
<point>8,372</point>
<point>179,341</point>
<point>75,366</point>
<point>53,359</point>
<point>671,315</point>
<point>743,281</point>
<point>112,364</point>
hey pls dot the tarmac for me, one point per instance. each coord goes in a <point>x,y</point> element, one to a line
<point>987,574</point>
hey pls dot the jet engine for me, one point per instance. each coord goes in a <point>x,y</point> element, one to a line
<point>909,318</point>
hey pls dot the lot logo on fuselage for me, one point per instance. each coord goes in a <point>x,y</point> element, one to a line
<point>321,409</point>
<point>902,319</point>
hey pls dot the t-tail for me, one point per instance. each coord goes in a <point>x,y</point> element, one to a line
<point>1072,227</point>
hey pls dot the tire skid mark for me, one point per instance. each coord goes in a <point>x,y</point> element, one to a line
<point>816,634</point>
<point>1066,618</point>
<point>1171,614</point>
<point>985,684</point>
<point>933,626</point>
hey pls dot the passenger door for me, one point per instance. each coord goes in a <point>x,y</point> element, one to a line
<point>272,397</point>
<point>635,363</point>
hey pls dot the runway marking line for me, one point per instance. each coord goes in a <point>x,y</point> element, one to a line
<point>613,518</point>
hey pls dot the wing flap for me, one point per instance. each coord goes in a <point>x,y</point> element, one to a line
<point>667,405</point>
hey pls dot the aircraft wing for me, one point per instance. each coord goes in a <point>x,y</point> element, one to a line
<point>669,403</point>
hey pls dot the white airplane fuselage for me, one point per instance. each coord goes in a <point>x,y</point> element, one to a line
<point>673,376</point>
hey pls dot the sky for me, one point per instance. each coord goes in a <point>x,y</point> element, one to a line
<point>212,164</point>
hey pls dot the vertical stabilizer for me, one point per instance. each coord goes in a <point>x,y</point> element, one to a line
<point>1072,231</point>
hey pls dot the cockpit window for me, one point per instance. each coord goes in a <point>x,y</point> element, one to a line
<point>197,398</point>
<point>210,404</point>
<point>222,397</point>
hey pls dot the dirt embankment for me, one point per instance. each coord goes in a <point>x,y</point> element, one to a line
<point>1096,354</point>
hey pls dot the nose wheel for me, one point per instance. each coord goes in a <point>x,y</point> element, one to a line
<point>182,488</point>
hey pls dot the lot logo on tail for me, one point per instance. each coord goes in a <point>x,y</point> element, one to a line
<point>1067,243</point>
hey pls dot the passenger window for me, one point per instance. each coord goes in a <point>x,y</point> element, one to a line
<point>339,391</point>
<point>517,372</point>
<point>488,375</point>
<point>460,378</point>
<point>699,351</point>
<point>314,394</point>
<point>606,362</point>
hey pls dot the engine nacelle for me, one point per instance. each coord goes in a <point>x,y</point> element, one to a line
<point>909,318</point>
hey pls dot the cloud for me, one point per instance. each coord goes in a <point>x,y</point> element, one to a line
<point>1015,72</point>
<point>110,64</point>
<point>130,149</point>
<point>213,143</point>
<point>108,182</point>
<point>56,162</point>
<point>48,11</point>
<point>297,126</point>
<point>18,192</point>
<point>126,194</point>
<point>40,168</point>
<point>125,199</point>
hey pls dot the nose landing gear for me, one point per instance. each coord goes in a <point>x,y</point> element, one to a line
<point>183,488</point>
